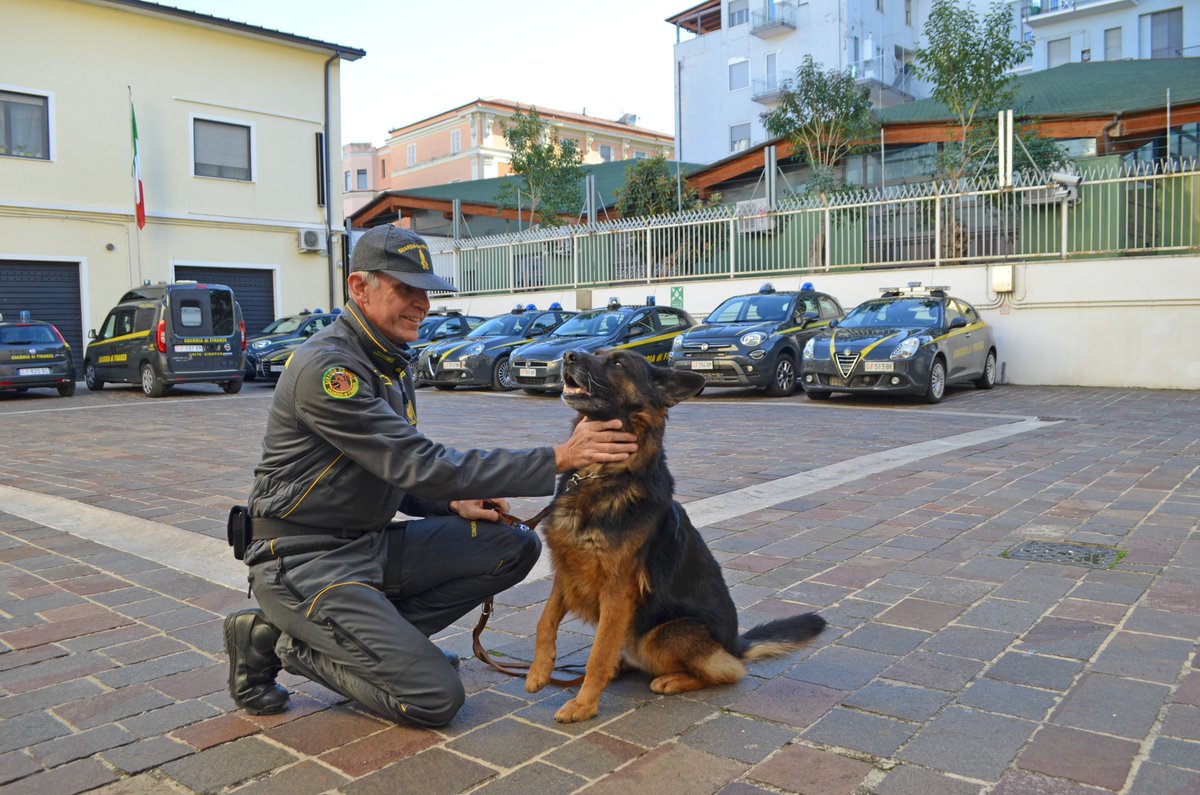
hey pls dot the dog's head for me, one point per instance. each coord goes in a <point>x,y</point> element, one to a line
<point>617,384</point>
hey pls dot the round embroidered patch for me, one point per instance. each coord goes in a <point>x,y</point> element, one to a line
<point>340,383</point>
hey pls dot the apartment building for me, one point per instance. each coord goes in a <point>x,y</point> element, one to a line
<point>467,143</point>
<point>232,128</point>
<point>1075,31</point>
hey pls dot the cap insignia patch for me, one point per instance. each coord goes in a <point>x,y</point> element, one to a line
<point>339,383</point>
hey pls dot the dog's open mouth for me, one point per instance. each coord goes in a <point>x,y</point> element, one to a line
<point>572,387</point>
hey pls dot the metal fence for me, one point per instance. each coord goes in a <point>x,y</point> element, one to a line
<point>1136,209</point>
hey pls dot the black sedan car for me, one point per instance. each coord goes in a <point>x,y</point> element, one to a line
<point>444,324</point>
<point>33,354</point>
<point>908,341</point>
<point>285,332</point>
<point>482,357</point>
<point>756,339</point>
<point>648,330</point>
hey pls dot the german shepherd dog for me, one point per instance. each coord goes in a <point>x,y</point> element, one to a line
<point>628,560</point>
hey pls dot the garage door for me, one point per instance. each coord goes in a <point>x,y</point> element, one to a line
<point>253,289</point>
<point>50,291</point>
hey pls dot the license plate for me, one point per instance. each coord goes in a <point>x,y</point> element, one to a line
<point>189,349</point>
<point>452,365</point>
<point>702,364</point>
<point>277,368</point>
<point>879,367</point>
<point>34,371</point>
<point>527,372</point>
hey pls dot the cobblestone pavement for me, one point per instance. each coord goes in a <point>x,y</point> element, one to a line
<point>947,667</point>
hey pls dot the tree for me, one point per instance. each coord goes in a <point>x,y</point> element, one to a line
<point>827,116</point>
<point>548,170</point>
<point>651,188</point>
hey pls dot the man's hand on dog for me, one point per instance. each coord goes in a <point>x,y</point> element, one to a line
<point>480,509</point>
<point>594,442</point>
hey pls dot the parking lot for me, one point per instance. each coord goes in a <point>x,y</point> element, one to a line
<point>947,667</point>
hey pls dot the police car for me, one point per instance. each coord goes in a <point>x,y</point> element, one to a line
<point>910,341</point>
<point>285,332</point>
<point>444,324</point>
<point>755,340</point>
<point>648,330</point>
<point>482,357</point>
<point>33,354</point>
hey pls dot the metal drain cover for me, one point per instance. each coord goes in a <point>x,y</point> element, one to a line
<point>1093,556</point>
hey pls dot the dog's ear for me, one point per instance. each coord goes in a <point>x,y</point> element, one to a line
<point>675,386</point>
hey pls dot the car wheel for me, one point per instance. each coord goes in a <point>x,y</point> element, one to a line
<point>444,387</point>
<point>813,394</point>
<point>93,381</point>
<point>783,377</point>
<point>232,387</point>
<point>501,377</point>
<point>936,389</point>
<point>988,379</point>
<point>67,389</point>
<point>152,385</point>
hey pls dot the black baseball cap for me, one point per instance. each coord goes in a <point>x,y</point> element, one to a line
<point>399,253</point>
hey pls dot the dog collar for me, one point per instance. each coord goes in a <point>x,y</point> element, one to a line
<point>576,479</point>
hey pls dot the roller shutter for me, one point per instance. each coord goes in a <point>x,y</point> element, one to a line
<point>50,291</point>
<point>254,290</point>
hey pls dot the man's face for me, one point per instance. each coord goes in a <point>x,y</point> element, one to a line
<point>392,306</point>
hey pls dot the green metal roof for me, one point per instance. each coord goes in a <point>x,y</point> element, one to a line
<point>1097,88</point>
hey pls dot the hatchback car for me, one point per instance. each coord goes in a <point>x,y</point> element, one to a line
<point>482,357</point>
<point>444,324</point>
<point>283,332</point>
<point>648,330</point>
<point>908,341</point>
<point>33,354</point>
<point>755,340</point>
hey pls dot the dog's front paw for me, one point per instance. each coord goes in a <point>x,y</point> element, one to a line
<point>536,678</point>
<point>574,711</point>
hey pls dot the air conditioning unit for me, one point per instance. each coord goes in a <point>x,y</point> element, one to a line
<point>312,240</point>
<point>753,217</point>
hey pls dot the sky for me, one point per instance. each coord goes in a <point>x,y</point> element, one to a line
<point>427,56</point>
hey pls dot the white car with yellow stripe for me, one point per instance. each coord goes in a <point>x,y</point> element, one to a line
<point>648,330</point>
<point>910,341</point>
<point>755,340</point>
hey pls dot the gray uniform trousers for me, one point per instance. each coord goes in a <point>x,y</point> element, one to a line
<point>356,615</point>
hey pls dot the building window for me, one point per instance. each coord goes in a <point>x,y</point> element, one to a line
<point>1112,44</point>
<point>639,155</point>
<point>1166,33</point>
<point>412,155</point>
<point>347,182</point>
<point>24,125</point>
<point>739,12</point>
<point>879,6</point>
<point>321,175</point>
<point>222,149</point>
<point>739,136</point>
<point>455,141</point>
<point>739,74</point>
<point>908,12</point>
<point>362,179</point>
<point>606,153</point>
<point>383,169</point>
<point>1058,52</point>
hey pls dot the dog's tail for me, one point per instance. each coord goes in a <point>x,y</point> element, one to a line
<point>779,636</point>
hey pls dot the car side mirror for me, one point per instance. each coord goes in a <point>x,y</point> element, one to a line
<point>809,317</point>
<point>833,323</point>
<point>91,334</point>
<point>958,322</point>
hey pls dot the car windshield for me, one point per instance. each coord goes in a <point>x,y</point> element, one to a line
<point>591,324</point>
<point>26,335</point>
<point>284,325</point>
<point>906,312</point>
<point>427,327</point>
<point>751,309</point>
<point>502,326</point>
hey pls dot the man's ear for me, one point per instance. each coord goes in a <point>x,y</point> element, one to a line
<point>675,386</point>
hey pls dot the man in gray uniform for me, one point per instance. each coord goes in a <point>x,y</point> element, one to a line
<point>348,596</point>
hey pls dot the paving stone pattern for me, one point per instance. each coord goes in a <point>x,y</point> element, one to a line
<point>947,668</point>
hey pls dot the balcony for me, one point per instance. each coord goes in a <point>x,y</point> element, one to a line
<point>773,20</point>
<point>769,89</point>
<point>1048,12</point>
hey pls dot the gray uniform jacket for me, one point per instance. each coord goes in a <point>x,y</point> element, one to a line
<point>342,450</point>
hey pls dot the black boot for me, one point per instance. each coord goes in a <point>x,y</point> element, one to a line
<point>253,665</point>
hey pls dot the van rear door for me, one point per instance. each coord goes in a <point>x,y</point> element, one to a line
<point>203,333</point>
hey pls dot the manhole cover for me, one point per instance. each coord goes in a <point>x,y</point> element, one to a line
<point>1091,555</point>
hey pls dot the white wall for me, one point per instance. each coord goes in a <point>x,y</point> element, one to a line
<point>1127,322</point>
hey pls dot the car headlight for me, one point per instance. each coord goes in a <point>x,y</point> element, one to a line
<point>753,339</point>
<point>474,350</point>
<point>677,343</point>
<point>260,344</point>
<point>810,348</point>
<point>906,349</point>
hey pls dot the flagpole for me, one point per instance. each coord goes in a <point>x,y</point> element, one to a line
<point>138,192</point>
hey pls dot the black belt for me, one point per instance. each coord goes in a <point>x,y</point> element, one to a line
<point>263,528</point>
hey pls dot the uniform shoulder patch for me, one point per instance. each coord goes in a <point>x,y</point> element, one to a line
<point>340,383</point>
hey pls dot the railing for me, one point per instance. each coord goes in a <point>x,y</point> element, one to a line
<point>1137,209</point>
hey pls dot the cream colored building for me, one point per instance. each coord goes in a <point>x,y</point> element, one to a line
<point>467,143</point>
<point>234,123</point>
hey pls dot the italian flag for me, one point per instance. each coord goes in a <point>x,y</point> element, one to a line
<point>139,196</point>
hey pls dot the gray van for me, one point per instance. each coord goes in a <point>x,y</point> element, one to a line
<point>164,334</point>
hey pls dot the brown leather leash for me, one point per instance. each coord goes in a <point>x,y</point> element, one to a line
<point>517,668</point>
